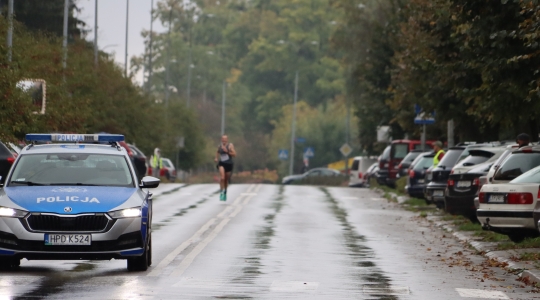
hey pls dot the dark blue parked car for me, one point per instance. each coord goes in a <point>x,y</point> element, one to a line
<point>417,173</point>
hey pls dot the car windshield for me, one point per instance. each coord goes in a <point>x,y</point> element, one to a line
<point>424,163</point>
<point>450,158</point>
<point>72,169</point>
<point>411,157</point>
<point>399,151</point>
<point>167,163</point>
<point>531,176</point>
<point>517,164</point>
<point>386,153</point>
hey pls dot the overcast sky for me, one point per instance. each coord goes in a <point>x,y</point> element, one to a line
<point>112,25</point>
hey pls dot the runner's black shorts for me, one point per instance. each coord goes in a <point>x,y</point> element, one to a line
<point>227,167</point>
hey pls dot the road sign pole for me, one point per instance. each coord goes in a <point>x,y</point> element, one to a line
<point>293,127</point>
<point>424,138</point>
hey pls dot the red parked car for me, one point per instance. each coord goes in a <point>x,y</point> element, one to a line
<point>398,150</point>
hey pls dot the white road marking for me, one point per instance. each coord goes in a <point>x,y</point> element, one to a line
<point>350,198</point>
<point>169,258</point>
<point>258,188</point>
<point>389,290</point>
<point>293,286</point>
<point>482,294</point>
<point>186,262</point>
<point>199,283</point>
<point>378,199</point>
<point>237,205</point>
<point>249,194</point>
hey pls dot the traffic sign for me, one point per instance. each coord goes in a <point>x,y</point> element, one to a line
<point>345,149</point>
<point>309,152</point>
<point>300,140</point>
<point>422,119</point>
<point>283,154</point>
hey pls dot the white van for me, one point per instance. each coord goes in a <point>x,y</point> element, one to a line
<point>358,171</point>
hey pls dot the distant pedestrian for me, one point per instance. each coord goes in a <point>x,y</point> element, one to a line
<point>224,158</point>
<point>523,139</point>
<point>156,162</point>
<point>439,153</point>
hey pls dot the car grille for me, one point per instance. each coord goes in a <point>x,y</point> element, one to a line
<point>54,223</point>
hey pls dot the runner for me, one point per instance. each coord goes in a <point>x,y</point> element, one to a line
<point>224,156</point>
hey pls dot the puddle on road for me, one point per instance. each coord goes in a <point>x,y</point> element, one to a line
<point>181,212</point>
<point>378,285</point>
<point>81,267</point>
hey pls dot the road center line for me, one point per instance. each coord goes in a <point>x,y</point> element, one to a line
<point>237,206</point>
<point>170,257</point>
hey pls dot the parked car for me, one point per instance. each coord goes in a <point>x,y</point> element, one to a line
<point>403,167</point>
<point>310,175</point>
<point>168,171</point>
<point>7,157</point>
<point>371,172</point>
<point>358,171</point>
<point>463,188</point>
<point>509,208</point>
<point>417,172</point>
<point>398,150</point>
<point>139,161</point>
<point>382,173</point>
<point>438,176</point>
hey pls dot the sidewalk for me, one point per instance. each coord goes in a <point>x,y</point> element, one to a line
<point>165,188</point>
<point>527,270</point>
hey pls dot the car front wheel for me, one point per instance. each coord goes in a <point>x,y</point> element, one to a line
<point>142,262</point>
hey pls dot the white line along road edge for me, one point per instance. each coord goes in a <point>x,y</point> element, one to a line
<point>236,207</point>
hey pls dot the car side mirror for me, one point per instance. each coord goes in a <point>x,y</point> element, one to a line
<point>150,182</point>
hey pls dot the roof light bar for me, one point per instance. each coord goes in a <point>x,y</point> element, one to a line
<point>74,138</point>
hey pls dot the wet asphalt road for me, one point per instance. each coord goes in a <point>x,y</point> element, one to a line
<point>274,242</point>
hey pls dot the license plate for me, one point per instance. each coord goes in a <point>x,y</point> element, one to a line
<point>438,193</point>
<point>68,239</point>
<point>420,180</point>
<point>464,184</point>
<point>496,199</point>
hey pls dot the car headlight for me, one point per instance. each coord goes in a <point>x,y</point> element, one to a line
<point>126,213</point>
<point>12,213</point>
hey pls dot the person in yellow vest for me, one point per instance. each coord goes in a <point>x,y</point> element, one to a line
<point>156,162</point>
<point>439,153</point>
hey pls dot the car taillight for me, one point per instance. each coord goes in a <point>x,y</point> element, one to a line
<point>11,160</point>
<point>451,182</point>
<point>411,174</point>
<point>476,182</point>
<point>481,198</point>
<point>519,198</point>
<point>360,175</point>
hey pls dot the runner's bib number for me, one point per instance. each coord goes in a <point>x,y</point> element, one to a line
<point>224,157</point>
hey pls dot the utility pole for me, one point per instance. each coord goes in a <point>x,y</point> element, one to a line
<point>168,63</point>
<point>127,31</point>
<point>347,132</point>
<point>451,133</point>
<point>188,91</point>
<point>10,30</point>
<point>96,35</point>
<point>293,127</point>
<point>223,99</point>
<point>149,79</point>
<point>65,35</point>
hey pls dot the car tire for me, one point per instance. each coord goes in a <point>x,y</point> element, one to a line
<point>9,263</point>
<point>142,262</point>
<point>516,237</point>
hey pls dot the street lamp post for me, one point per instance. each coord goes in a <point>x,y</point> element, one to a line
<point>149,79</point>
<point>10,30</point>
<point>65,35</point>
<point>96,35</point>
<point>127,31</point>
<point>293,125</point>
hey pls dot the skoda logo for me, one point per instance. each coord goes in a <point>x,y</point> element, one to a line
<point>67,209</point>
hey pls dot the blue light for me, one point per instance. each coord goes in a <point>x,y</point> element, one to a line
<point>74,138</point>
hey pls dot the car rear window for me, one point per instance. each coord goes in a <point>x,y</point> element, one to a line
<point>517,164</point>
<point>399,151</point>
<point>424,163</point>
<point>450,158</point>
<point>167,164</point>
<point>531,176</point>
<point>411,157</point>
<point>355,165</point>
<point>4,151</point>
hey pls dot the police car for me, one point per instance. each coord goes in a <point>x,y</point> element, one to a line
<point>76,197</point>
